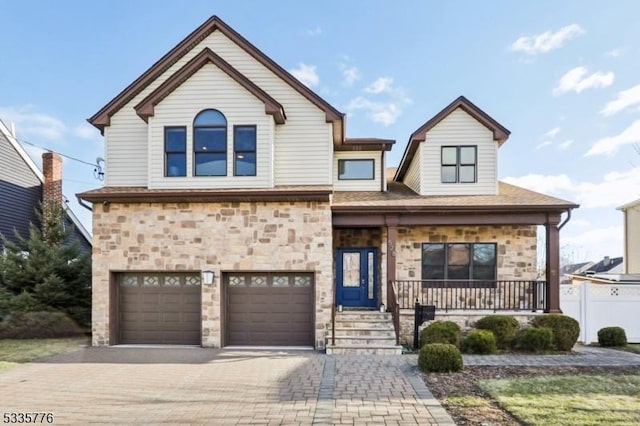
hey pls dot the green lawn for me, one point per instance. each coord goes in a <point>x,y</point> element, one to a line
<point>14,351</point>
<point>569,400</point>
<point>634,347</point>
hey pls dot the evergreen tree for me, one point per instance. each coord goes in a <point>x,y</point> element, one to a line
<point>48,269</point>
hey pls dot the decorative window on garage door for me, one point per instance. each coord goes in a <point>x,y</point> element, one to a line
<point>135,279</point>
<point>269,279</point>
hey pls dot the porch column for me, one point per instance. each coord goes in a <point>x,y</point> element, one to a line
<point>392,234</point>
<point>553,264</point>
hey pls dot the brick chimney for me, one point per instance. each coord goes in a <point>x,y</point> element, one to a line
<point>52,170</point>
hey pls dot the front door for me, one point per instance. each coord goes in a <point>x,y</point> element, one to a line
<point>357,277</point>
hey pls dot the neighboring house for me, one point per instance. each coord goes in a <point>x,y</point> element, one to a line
<point>219,161</point>
<point>606,278</point>
<point>23,187</point>
<point>631,213</point>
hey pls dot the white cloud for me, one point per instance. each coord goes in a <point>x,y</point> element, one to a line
<point>381,85</point>
<point>594,237</point>
<point>30,122</point>
<point>350,74</point>
<point>612,190</point>
<point>314,31</point>
<point>543,144</point>
<point>385,111</point>
<point>552,133</point>
<point>547,41</point>
<point>306,74</point>
<point>577,80</point>
<point>626,98</point>
<point>86,131</point>
<point>565,145</point>
<point>611,144</point>
<point>617,52</point>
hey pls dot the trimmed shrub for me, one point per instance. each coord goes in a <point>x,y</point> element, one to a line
<point>38,325</point>
<point>535,339</point>
<point>612,336</point>
<point>565,329</point>
<point>440,332</point>
<point>439,358</point>
<point>479,342</point>
<point>504,327</point>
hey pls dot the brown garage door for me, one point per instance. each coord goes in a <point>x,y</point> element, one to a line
<point>159,308</point>
<point>270,309</point>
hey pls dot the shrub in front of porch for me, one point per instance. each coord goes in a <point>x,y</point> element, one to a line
<point>441,332</point>
<point>504,327</point>
<point>612,336</point>
<point>479,342</point>
<point>535,339</point>
<point>440,358</point>
<point>565,330</point>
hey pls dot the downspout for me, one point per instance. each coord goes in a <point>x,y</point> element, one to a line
<point>84,204</point>
<point>564,222</point>
<point>383,176</point>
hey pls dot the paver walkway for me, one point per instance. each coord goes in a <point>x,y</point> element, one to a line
<point>209,386</point>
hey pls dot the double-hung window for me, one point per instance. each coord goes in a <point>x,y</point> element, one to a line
<point>210,143</point>
<point>244,150</point>
<point>459,164</point>
<point>175,151</point>
<point>459,261</point>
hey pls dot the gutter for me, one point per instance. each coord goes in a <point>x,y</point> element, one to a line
<point>564,222</point>
<point>83,203</point>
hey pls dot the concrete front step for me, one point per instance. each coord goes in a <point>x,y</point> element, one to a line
<point>364,350</point>
<point>365,340</point>
<point>366,324</point>
<point>363,332</point>
<point>363,315</point>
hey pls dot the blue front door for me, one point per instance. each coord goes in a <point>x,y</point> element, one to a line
<point>357,277</point>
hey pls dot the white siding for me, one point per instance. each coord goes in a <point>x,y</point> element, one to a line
<point>412,177</point>
<point>357,185</point>
<point>125,151</point>
<point>211,88</point>
<point>303,146</point>
<point>632,240</point>
<point>459,128</point>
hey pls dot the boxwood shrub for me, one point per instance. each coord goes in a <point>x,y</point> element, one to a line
<point>441,332</point>
<point>612,336</point>
<point>479,342</point>
<point>535,339</point>
<point>440,358</point>
<point>565,329</point>
<point>504,327</point>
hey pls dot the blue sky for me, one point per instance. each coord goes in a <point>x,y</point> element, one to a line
<point>562,76</point>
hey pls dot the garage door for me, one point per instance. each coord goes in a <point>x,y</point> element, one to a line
<point>270,309</point>
<point>159,308</point>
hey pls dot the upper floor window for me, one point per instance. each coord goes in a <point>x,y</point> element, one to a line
<point>356,169</point>
<point>175,151</point>
<point>459,261</point>
<point>244,150</point>
<point>459,164</point>
<point>210,143</point>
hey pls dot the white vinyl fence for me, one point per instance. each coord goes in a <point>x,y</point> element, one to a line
<point>602,305</point>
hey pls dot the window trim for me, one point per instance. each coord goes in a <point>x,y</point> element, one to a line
<point>469,282</point>
<point>226,143</point>
<point>368,160</point>
<point>235,151</point>
<point>166,128</point>
<point>459,163</point>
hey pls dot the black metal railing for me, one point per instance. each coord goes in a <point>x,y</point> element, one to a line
<point>394,308</point>
<point>499,295</point>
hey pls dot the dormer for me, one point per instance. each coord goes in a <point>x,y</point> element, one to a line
<point>454,153</point>
<point>359,164</point>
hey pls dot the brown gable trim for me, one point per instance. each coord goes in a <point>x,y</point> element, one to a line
<point>102,118</point>
<point>366,144</point>
<point>145,109</point>
<point>143,195</point>
<point>440,210</point>
<point>500,133</point>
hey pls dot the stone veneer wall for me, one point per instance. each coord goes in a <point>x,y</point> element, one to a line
<point>260,236</point>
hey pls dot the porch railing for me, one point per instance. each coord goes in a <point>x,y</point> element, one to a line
<point>498,295</point>
<point>394,308</point>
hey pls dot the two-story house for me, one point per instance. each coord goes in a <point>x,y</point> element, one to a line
<point>236,212</point>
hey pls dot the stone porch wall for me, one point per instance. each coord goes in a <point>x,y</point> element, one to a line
<point>222,237</point>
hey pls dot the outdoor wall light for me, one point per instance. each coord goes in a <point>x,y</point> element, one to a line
<point>208,277</point>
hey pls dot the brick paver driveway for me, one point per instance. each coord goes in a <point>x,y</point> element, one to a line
<point>208,386</point>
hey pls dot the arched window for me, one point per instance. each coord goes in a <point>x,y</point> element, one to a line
<point>210,143</point>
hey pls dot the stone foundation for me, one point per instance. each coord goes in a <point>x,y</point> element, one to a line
<point>222,237</point>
